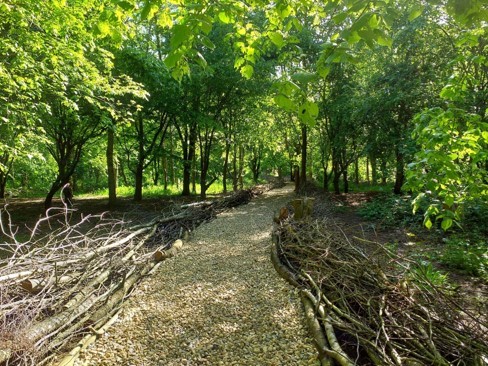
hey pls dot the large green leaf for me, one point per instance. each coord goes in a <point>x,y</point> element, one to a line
<point>415,12</point>
<point>284,102</point>
<point>308,113</point>
<point>247,71</point>
<point>181,34</point>
<point>276,38</point>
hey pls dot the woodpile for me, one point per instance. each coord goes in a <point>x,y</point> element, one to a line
<point>372,307</point>
<point>60,288</point>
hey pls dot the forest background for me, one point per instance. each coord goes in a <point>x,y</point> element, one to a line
<point>124,97</point>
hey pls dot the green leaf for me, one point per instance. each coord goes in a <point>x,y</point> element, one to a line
<point>449,201</point>
<point>339,18</point>
<point>284,102</point>
<point>104,28</point>
<point>384,40</point>
<point>415,12</point>
<point>247,71</point>
<point>239,62</point>
<point>304,78</point>
<point>352,37</point>
<point>368,36</point>
<point>446,223</point>
<point>172,59</point>
<point>308,113</point>
<point>323,70</point>
<point>207,43</point>
<point>127,6</point>
<point>149,10</point>
<point>276,38</point>
<point>164,20</point>
<point>428,223</point>
<point>225,18</point>
<point>449,92</point>
<point>181,33</point>
<point>374,21</point>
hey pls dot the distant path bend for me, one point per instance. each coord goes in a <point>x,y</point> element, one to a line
<point>218,302</point>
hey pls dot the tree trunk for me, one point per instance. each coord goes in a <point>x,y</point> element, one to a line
<point>111,172</point>
<point>241,167</point>
<point>296,175</point>
<point>337,176</point>
<point>122,174</point>
<point>194,175</point>
<point>226,166</point>
<point>374,171</point>
<point>188,160</point>
<point>326,181</point>
<point>384,172</point>
<point>165,173</point>
<point>400,172</point>
<point>140,161</point>
<point>139,179</point>
<point>203,184</point>
<point>3,183</point>
<point>345,181</point>
<point>356,171</point>
<point>235,180</point>
<point>367,171</point>
<point>303,173</point>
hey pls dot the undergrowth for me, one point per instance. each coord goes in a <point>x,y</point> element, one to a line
<point>464,248</point>
<point>390,211</point>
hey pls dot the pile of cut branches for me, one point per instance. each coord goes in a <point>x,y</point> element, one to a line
<point>374,307</point>
<point>67,281</point>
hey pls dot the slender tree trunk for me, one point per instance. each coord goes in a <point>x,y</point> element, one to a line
<point>170,161</point>
<point>3,183</point>
<point>111,172</point>
<point>384,172</point>
<point>374,171</point>
<point>165,173</point>
<point>140,161</point>
<point>345,180</point>
<point>296,174</point>
<point>303,173</point>
<point>337,176</point>
<point>367,171</point>
<point>326,180</point>
<point>235,180</point>
<point>241,167</point>
<point>48,201</point>
<point>8,163</point>
<point>188,156</point>
<point>194,175</point>
<point>356,171</point>
<point>226,166</point>
<point>400,172</point>
<point>123,175</point>
<point>139,174</point>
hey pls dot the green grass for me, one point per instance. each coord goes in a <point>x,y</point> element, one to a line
<point>152,191</point>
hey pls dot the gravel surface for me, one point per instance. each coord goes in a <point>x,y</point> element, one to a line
<point>218,302</point>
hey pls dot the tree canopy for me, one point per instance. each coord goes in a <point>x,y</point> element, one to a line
<point>189,93</point>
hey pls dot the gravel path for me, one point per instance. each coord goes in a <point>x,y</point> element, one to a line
<point>218,302</point>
